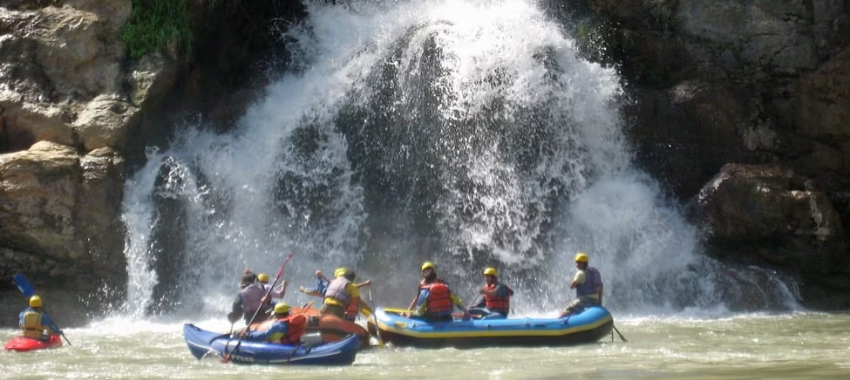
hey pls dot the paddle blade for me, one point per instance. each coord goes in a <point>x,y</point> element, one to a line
<point>397,311</point>
<point>24,285</point>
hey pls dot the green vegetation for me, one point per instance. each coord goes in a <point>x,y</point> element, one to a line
<point>155,25</point>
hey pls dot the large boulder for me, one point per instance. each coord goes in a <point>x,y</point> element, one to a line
<point>767,215</point>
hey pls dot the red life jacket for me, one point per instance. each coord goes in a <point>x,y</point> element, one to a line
<point>496,303</point>
<point>439,300</point>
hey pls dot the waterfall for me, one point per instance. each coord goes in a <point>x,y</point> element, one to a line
<point>466,132</point>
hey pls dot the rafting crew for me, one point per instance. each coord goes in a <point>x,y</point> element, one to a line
<point>495,297</point>
<point>342,297</point>
<point>434,300</point>
<point>281,328</point>
<point>352,308</point>
<point>35,323</point>
<point>588,285</point>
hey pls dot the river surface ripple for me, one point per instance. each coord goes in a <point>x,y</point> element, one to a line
<point>787,346</point>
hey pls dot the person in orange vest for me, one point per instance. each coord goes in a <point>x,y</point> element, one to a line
<point>35,323</point>
<point>342,294</point>
<point>496,297</point>
<point>282,328</point>
<point>435,299</point>
<point>588,285</point>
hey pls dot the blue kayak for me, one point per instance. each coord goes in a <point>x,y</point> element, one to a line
<point>203,343</point>
<point>588,326</point>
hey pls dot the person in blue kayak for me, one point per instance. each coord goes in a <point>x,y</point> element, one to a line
<point>435,299</point>
<point>251,298</point>
<point>343,295</point>
<point>282,328</point>
<point>588,285</point>
<point>35,323</point>
<point>496,297</point>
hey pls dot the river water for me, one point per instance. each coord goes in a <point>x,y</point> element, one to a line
<point>800,345</point>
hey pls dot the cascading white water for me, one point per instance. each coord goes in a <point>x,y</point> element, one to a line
<point>470,125</point>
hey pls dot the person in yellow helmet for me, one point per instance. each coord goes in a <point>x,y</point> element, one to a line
<point>322,282</point>
<point>342,296</point>
<point>35,323</point>
<point>263,279</point>
<point>277,293</point>
<point>282,328</point>
<point>434,301</point>
<point>250,301</point>
<point>588,285</point>
<point>495,297</point>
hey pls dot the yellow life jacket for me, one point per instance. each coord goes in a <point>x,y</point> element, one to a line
<point>32,325</point>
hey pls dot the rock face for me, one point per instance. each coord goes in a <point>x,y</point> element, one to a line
<point>743,108</point>
<point>60,213</point>
<point>76,111</point>
<point>766,214</point>
<point>68,102</point>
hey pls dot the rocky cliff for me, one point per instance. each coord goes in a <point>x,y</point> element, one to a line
<point>740,108</point>
<point>76,108</point>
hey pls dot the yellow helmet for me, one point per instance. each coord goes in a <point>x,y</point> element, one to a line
<point>490,271</point>
<point>35,301</point>
<point>264,278</point>
<point>427,265</point>
<point>581,257</point>
<point>339,272</point>
<point>281,308</point>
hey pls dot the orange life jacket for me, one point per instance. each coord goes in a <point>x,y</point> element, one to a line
<point>296,326</point>
<point>496,303</point>
<point>439,301</point>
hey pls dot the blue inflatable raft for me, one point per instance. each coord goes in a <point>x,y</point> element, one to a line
<point>589,326</point>
<point>203,343</point>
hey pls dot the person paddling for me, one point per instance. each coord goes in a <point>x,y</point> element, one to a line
<point>342,298</point>
<point>35,323</point>
<point>496,300</point>
<point>250,298</point>
<point>263,279</point>
<point>588,285</point>
<point>282,328</point>
<point>434,301</point>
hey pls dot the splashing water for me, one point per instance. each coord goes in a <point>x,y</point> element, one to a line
<point>467,132</point>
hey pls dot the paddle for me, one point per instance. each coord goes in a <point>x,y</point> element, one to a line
<point>398,311</point>
<point>239,342</point>
<point>618,333</point>
<point>28,291</point>
<point>474,301</point>
<point>374,316</point>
